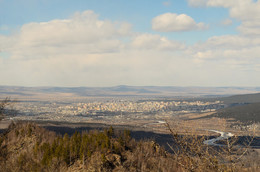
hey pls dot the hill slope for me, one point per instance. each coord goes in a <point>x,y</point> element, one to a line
<point>27,147</point>
<point>249,113</point>
<point>242,99</point>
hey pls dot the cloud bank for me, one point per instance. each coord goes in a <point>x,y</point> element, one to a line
<point>171,22</point>
<point>84,50</point>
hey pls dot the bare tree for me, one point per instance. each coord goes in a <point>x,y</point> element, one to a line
<point>192,154</point>
<point>3,104</point>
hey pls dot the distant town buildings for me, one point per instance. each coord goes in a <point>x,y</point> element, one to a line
<point>119,110</point>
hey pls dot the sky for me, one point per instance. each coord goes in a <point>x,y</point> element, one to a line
<point>100,43</point>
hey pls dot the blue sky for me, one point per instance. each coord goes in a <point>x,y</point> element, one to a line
<point>137,42</point>
<point>15,13</point>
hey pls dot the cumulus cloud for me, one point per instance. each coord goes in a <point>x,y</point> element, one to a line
<point>247,11</point>
<point>250,28</point>
<point>150,41</point>
<point>204,55</point>
<point>239,52</point>
<point>231,48</point>
<point>197,3</point>
<point>82,33</point>
<point>227,42</point>
<point>58,51</point>
<point>227,22</point>
<point>84,50</point>
<point>171,22</point>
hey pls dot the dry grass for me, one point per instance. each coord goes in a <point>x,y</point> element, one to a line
<point>19,153</point>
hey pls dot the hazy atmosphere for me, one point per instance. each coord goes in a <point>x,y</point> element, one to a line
<point>130,85</point>
<point>108,43</point>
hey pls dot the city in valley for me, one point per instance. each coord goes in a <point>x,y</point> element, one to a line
<point>111,111</point>
<point>166,122</point>
<point>129,85</point>
<point>128,107</point>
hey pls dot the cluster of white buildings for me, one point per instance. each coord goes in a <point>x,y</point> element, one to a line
<point>125,106</point>
<point>112,110</point>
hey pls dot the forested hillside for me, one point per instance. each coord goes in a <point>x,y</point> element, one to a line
<point>242,99</point>
<point>249,113</point>
<point>27,147</point>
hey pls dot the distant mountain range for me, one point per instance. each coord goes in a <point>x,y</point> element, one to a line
<point>123,90</point>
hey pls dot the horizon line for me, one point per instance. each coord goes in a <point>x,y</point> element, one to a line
<point>123,85</point>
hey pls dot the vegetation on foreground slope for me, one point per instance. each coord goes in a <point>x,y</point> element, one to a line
<point>27,147</point>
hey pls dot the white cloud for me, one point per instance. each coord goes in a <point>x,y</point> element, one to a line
<point>171,22</point>
<point>150,41</point>
<point>223,3</point>
<point>250,28</point>
<point>83,33</point>
<point>197,3</point>
<point>226,50</point>
<point>227,22</point>
<point>204,55</point>
<point>228,42</point>
<point>84,50</point>
<point>247,11</point>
